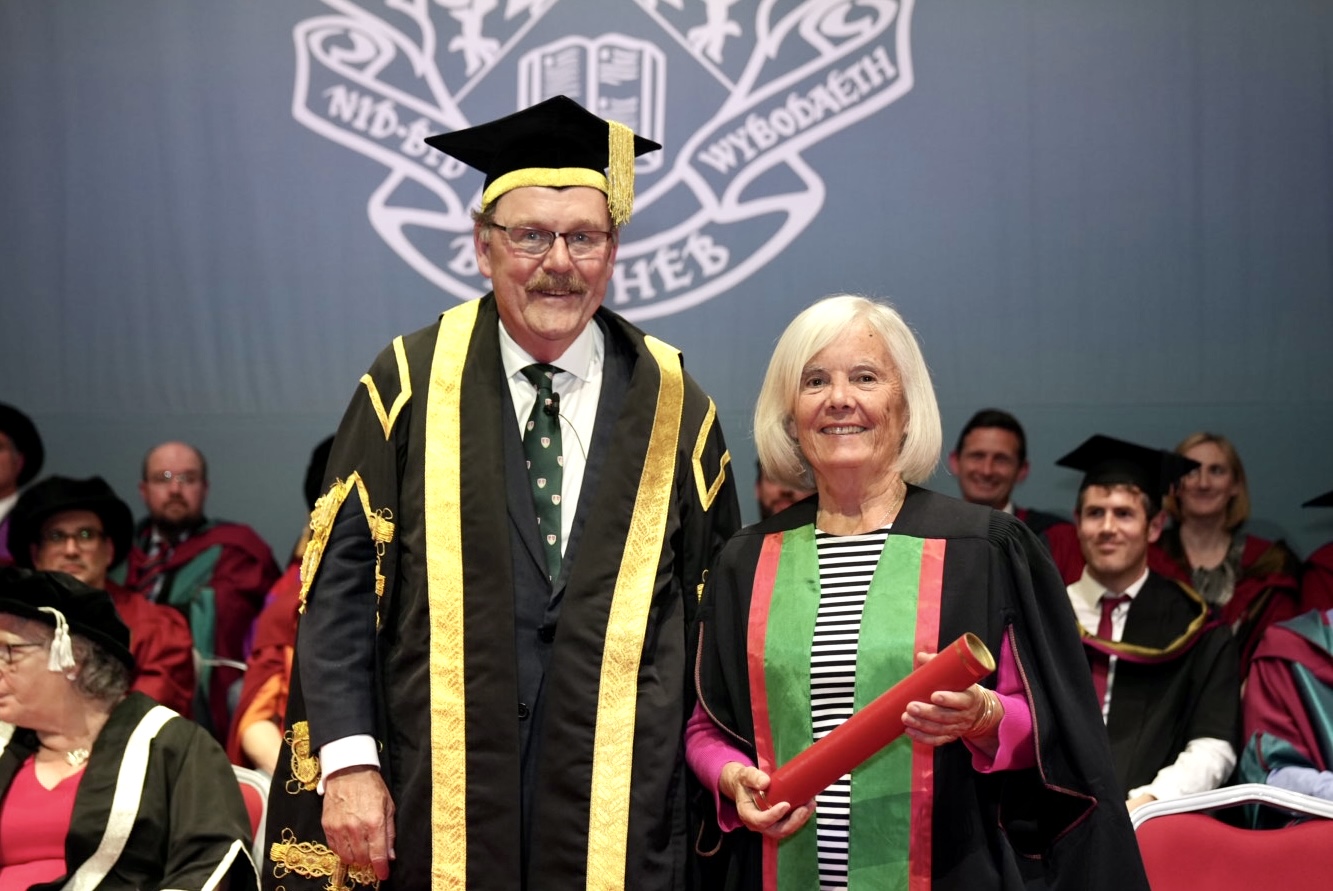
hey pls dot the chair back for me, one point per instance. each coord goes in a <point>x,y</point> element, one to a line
<point>254,789</point>
<point>1185,848</point>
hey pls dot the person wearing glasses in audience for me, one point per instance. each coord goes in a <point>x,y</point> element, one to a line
<point>215,573</point>
<point>493,663</point>
<point>102,787</point>
<point>81,527</point>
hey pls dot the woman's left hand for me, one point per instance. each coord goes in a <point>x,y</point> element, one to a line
<point>950,716</point>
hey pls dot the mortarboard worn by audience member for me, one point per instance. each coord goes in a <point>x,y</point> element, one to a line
<point>473,678</point>
<point>1166,670</point>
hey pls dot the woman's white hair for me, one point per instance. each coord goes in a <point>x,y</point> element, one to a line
<point>816,327</point>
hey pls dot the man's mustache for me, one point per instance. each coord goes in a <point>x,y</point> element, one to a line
<point>546,281</point>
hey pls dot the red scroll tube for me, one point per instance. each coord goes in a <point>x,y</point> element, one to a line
<point>956,667</point>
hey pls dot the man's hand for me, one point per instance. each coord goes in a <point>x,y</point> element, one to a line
<point>358,818</point>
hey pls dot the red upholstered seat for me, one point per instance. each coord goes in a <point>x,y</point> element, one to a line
<point>1186,847</point>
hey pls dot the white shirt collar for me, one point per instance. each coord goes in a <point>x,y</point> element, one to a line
<point>1089,591</point>
<point>576,360</point>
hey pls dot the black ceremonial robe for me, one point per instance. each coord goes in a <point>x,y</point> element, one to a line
<point>174,819</point>
<point>1176,679</point>
<point>1061,824</point>
<point>531,736</point>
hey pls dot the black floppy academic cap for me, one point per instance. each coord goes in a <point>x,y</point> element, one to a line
<point>1325,500</point>
<point>555,143</point>
<point>21,431</point>
<point>57,494</point>
<point>1106,461</point>
<point>314,471</point>
<point>88,611</point>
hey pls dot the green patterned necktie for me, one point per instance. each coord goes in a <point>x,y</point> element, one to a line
<point>546,460</point>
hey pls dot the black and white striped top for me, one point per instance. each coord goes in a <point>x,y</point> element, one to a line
<point>846,566</point>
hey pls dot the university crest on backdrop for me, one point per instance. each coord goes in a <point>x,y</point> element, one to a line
<point>735,90</point>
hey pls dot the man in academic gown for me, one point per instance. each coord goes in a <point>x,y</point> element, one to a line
<point>990,459</point>
<point>1164,668</point>
<point>494,703</point>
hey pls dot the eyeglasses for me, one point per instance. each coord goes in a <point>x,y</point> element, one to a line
<point>7,651</point>
<point>536,242</point>
<point>167,477</point>
<point>85,538</point>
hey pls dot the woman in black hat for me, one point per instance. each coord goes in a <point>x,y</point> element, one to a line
<point>102,788</point>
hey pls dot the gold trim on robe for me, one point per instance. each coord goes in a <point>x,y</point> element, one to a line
<point>444,571</point>
<point>613,746</point>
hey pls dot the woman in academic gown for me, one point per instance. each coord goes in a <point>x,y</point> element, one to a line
<point>1252,581</point>
<point>810,614</point>
<point>102,789</point>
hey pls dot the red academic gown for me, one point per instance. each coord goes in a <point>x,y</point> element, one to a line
<point>268,673</point>
<point>1317,579</point>
<point>1267,589</point>
<point>217,578</point>
<point>162,648</point>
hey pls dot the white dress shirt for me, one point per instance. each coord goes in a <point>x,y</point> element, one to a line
<point>579,385</point>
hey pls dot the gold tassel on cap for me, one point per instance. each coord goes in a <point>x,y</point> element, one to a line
<point>620,172</point>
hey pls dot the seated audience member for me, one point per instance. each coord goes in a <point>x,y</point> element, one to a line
<point>774,497</point>
<point>216,573</point>
<point>102,787</point>
<point>1254,582</point>
<point>989,460</point>
<point>1164,670</point>
<point>21,456</point>
<point>256,729</point>
<point>82,528</point>
<point>1317,574</point>
<point>1288,722</point>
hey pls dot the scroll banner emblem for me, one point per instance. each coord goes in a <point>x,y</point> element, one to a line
<point>730,191</point>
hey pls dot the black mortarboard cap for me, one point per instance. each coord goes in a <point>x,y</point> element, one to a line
<point>23,433</point>
<point>87,611</point>
<point>1106,461</point>
<point>555,143</point>
<point>1325,500</point>
<point>57,494</point>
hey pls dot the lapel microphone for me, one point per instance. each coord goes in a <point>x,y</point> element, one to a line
<point>552,408</point>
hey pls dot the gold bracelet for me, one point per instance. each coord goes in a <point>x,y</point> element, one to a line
<point>990,716</point>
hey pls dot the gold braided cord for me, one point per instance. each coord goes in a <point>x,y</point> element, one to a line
<point>404,390</point>
<point>305,764</point>
<point>708,491</point>
<point>617,698</point>
<point>378,520</point>
<point>444,574</point>
<point>551,177</point>
<point>620,172</point>
<point>313,860</point>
